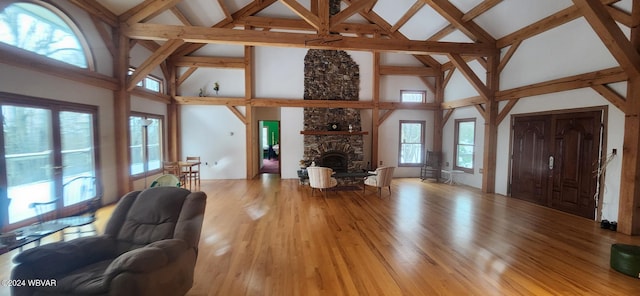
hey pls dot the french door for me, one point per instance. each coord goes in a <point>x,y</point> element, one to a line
<point>45,146</point>
<point>554,157</point>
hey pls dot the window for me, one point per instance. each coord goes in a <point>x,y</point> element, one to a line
<point>41,28</point>
<point>411,143</point>
<point>464,144</point>
<point>150,82</point>
<point>413,96</point>
<point>146,143</point>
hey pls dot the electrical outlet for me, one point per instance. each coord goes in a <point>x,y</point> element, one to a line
<point>614,151</point>
<point>481,170</point>
<point>381,162</point>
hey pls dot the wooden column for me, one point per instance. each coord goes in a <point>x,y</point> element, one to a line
<point>375,111</point>
<point>438,119</point>
<point>629,203</point>
<point>121,110</point>
<point>173,116</point>
<point>250,125</point>
<point>491,127</point>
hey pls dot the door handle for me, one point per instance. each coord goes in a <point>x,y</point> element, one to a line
<point>551,162</point>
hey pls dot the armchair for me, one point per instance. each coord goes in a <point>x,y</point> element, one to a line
<point>320,178</point>
<point>149,247</point>
<point>381,178</point>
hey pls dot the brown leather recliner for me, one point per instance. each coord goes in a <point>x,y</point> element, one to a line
<point>149,247</point>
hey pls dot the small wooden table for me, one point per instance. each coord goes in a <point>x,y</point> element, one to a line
<point>187,167</point>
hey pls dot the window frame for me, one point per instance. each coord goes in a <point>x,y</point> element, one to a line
<point>423,93</point>
<point>66,18</point>
<point>456,143</point>
<point>422,143</point>
<point>145,169</point>
<point>143,83</point>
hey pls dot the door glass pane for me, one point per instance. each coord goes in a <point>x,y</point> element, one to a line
<point>76,134</point>
<point>29,157</point>
<point>135,130</point>
<point>154,148</point>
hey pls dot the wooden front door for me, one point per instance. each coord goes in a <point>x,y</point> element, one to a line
<point>554,159</point>
<point>529,180</point>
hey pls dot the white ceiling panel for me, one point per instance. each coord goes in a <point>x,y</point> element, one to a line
<point>424,24</point>
<point>465,5</point>
<point>118,7</point>
<point>512,15</point>
<point>204,13</point>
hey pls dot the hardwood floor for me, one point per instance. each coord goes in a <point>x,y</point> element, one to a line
<point>271,237</point>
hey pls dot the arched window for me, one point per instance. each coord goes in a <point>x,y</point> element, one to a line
<point>43,29</point>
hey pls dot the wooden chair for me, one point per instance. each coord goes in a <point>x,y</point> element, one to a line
<point>194,173</point>
<point>382,178</point>
<point>172,168</point>
<point>320,178</point>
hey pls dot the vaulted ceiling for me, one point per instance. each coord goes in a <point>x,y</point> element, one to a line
<point>429,29</point>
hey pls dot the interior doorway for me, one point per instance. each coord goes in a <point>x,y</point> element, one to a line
<point>554,159</point>
<point>269,146</point>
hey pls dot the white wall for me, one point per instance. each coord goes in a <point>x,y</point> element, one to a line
<point>216,135</point>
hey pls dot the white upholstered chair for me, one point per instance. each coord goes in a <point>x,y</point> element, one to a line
<point>381,178</point>
<point>320,178</point>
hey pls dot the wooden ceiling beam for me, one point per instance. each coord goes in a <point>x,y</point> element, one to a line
<point>454,16</point>
<point>153,61</point>
<point>147,10</point>
<point>181,17</point>
<point>471,76</point>
<point>247,37</point>
<point>555,20</point>
<point>606,76</point>
<point>611,96</point>
<point>211,62</point>
<point>248,10</point>
<point>349,11</point>
<point>374,18</point>
<point>301,25</point>
<point>98,10</point>
<point>408,71</point>
<point>305,14</point>
<point>479,9</point>
<point>408,15</point>
<point>611,35</point>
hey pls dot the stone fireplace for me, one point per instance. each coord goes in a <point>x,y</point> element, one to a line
<point>332,75</point>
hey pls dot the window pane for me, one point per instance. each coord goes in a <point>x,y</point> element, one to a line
<point>135,129</point>
<point>411,153</point>
<point>408,96</point>
<point>466,133</point>
<point>76,131</point>
<point>152,84</point>
<point>28,144</point>
<point>411,133</point>
<point>154,144</point>
<point>465,156</point>
<point>39,30</point>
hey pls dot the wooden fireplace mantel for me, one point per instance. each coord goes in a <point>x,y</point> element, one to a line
<point>326,133</point>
